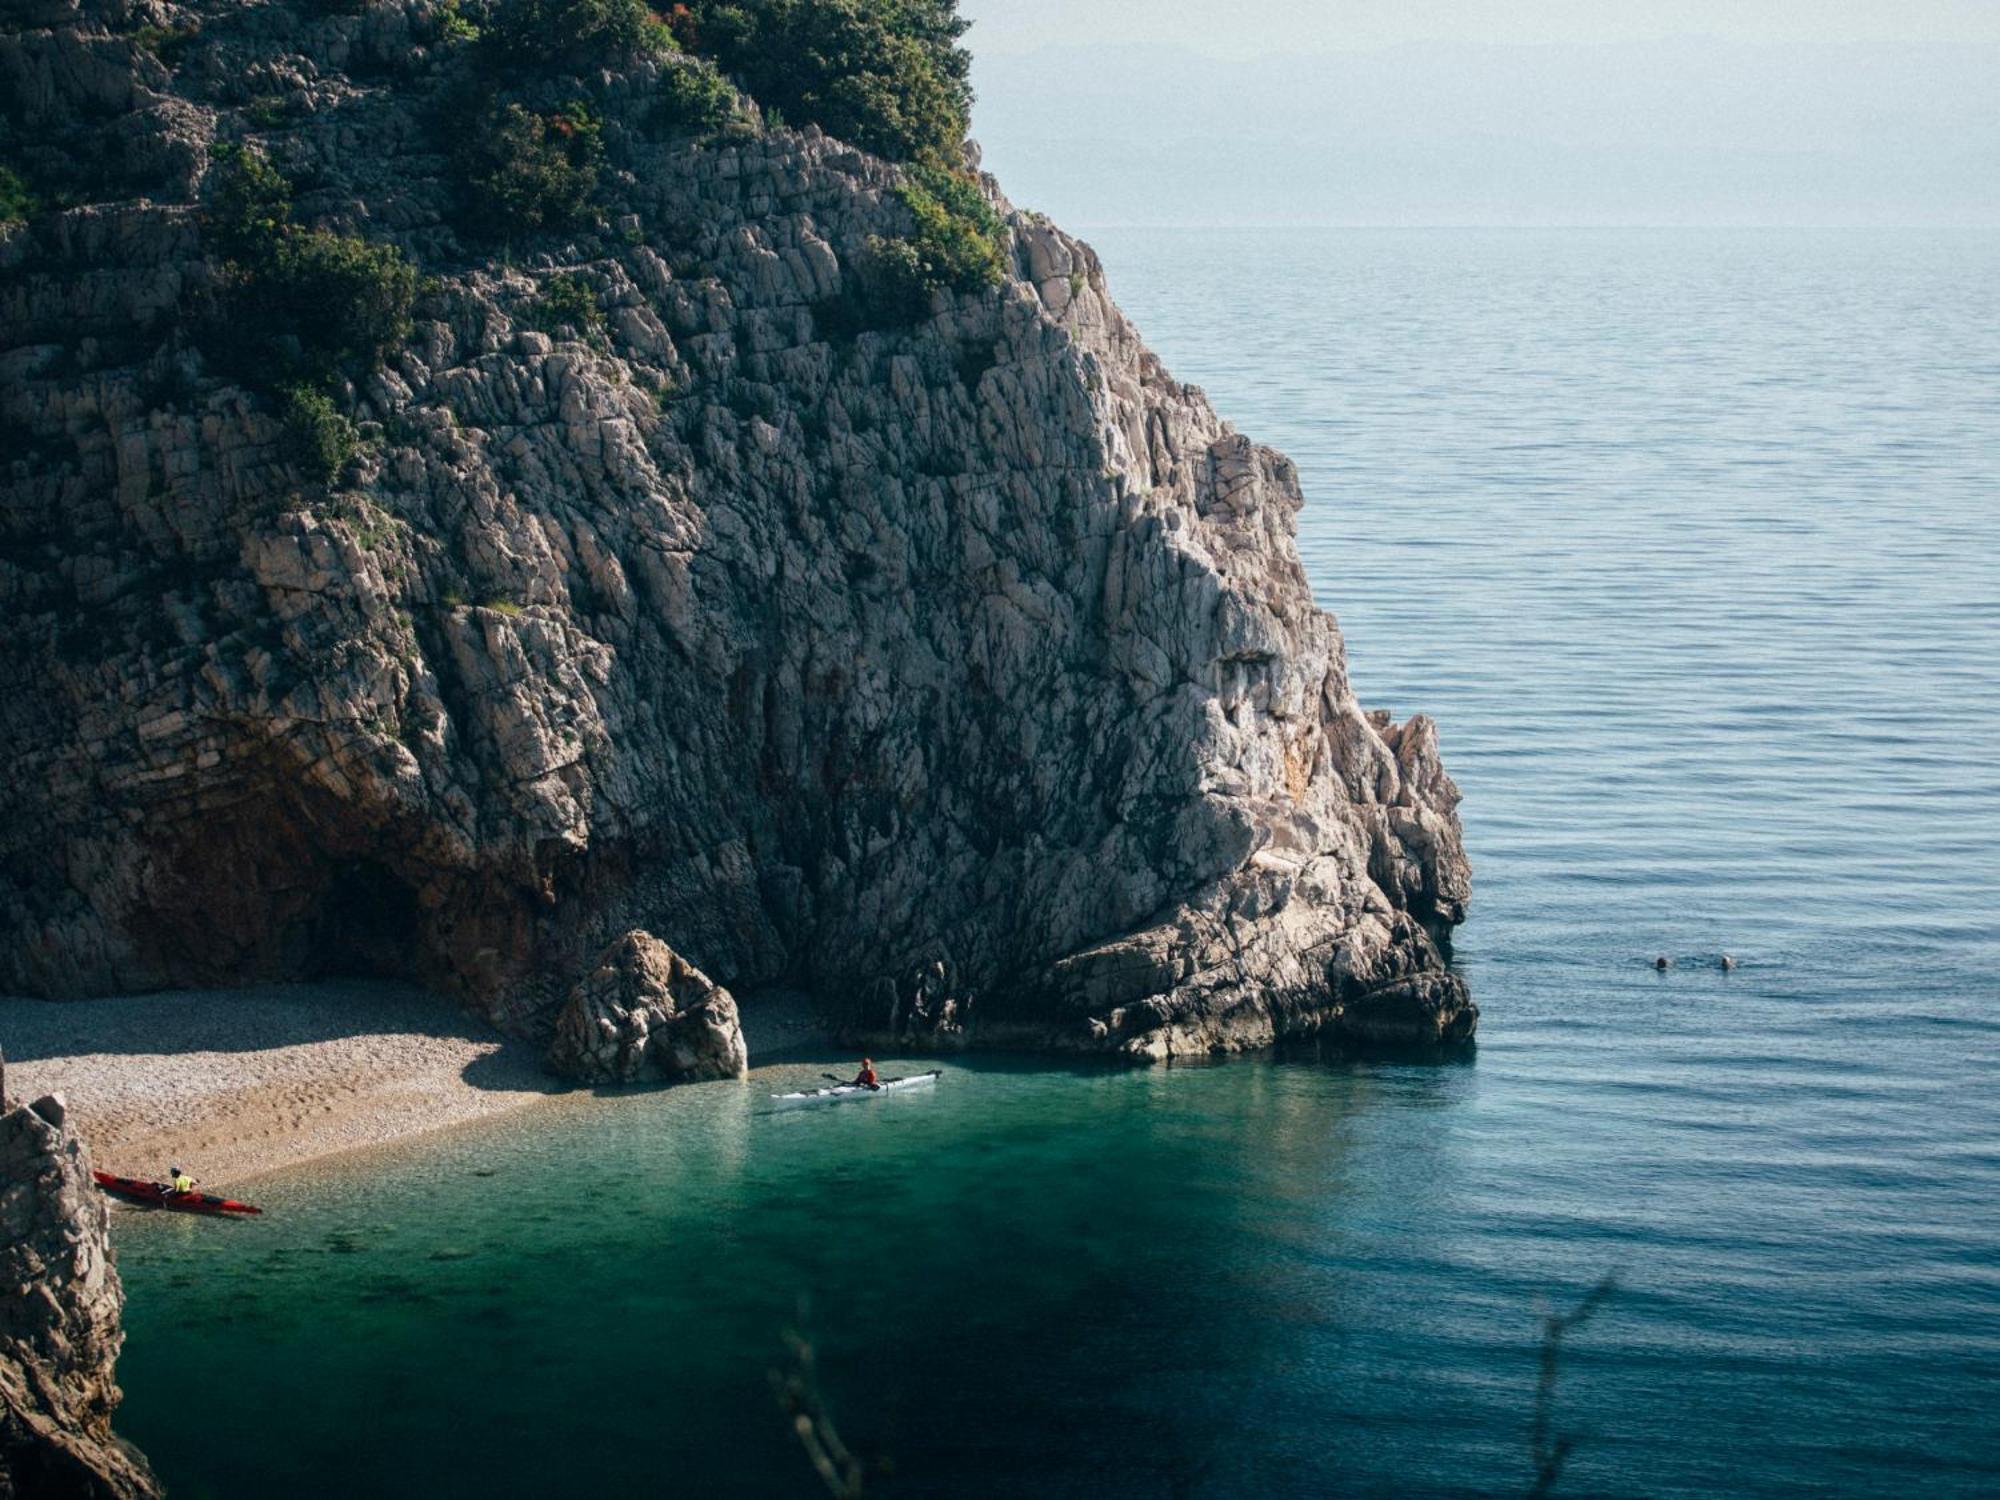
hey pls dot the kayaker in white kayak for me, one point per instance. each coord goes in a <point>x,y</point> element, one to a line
<point>180,1182</point>
<point>866,1078</point>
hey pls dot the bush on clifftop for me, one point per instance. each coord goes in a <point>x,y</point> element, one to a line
<point>886,75</point>
<point>694,98</point>
<point>536,31</point>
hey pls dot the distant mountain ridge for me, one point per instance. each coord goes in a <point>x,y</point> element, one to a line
<point>1689,131</point>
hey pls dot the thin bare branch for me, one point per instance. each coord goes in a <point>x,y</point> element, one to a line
<point>796,1385</point>
<point>1552,1449</point>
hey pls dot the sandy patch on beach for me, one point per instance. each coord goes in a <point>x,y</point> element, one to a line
<point>233,1083</point>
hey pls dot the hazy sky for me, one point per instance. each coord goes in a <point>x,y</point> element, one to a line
<point>1246,28</point>
<point>1493,112</point>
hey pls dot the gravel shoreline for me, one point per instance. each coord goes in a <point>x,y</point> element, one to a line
<point>232,1084</point>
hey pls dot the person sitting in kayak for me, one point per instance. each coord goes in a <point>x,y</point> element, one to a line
<point>180,1182</point>
<point>866,1078</point>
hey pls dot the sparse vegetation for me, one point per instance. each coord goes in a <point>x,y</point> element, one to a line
<point>536,31</point>
<point>16,202</point>
<point>168,43</point>
<point>569,301</point>
<point>303,304</point>
<point>318,438</point>
<point>522,172</point>
<point>453,25</point>
<point>249,204</point>
<point>267,111</point>
<point>958,244</point>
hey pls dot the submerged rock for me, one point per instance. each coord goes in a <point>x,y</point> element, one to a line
<point>962,668</point>
<point>646,1013</point>
<point>60,1300</point>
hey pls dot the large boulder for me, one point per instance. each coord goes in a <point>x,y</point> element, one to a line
<point>1424,1011</point>
<point>60,1300</point>
<point>644,1013</point>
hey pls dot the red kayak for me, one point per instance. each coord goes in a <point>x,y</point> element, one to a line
<point>159,1195</point>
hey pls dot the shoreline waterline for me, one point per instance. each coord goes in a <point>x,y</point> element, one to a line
<point>239,1085</point>
<point>267,1081</point>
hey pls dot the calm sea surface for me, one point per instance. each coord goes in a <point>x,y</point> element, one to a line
<point>1692,545</point>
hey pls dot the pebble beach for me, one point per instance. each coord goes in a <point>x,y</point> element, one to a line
<point>232,1084</point>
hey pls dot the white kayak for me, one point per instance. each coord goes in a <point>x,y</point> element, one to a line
<point>845,1091</point>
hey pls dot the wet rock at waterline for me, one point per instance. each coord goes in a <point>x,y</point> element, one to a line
<point>644,1013</point>
<point>959,667</point>
<point>59,1331</point>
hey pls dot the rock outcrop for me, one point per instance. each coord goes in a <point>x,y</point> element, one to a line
<point>59,1331</point>
<point>644,1013</point>
<point>964,673</point>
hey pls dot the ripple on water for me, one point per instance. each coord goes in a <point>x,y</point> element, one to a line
<point>1691,543</point>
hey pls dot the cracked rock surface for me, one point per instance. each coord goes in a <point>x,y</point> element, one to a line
<point>965,674</point>
<point>59,1332</point>
<point>646,1013</point>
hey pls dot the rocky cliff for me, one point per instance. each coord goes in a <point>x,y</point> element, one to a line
<point>957,666</point>
<point>59,1333</point>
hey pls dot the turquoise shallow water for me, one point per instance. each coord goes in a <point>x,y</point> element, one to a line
<point>1692,544</point>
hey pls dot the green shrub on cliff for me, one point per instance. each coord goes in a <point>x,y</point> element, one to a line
<point>453,25</point>
<point>170,44</point>
<point>522,172</point>
<point>567,301</point>
<point>694,98</point>
<point>299,303</point>
<point>958,244</point>
<point>248,204</point>
<point>538,31</point>
<point>959,241</point>
<point>346,300</point>
<point>16,202</point>
<point>886,75</point>
<point>317,437</point>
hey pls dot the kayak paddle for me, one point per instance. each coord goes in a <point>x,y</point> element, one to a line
<point>849,1083</point>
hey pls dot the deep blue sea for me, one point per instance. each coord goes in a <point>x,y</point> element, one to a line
<point>1691,543</point>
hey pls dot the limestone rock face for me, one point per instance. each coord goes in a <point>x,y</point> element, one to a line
<point>646,1013</point>
<point>59,1333</point>
<point>963,672</point>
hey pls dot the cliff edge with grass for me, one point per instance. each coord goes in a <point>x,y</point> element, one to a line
<point>595,510</point>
